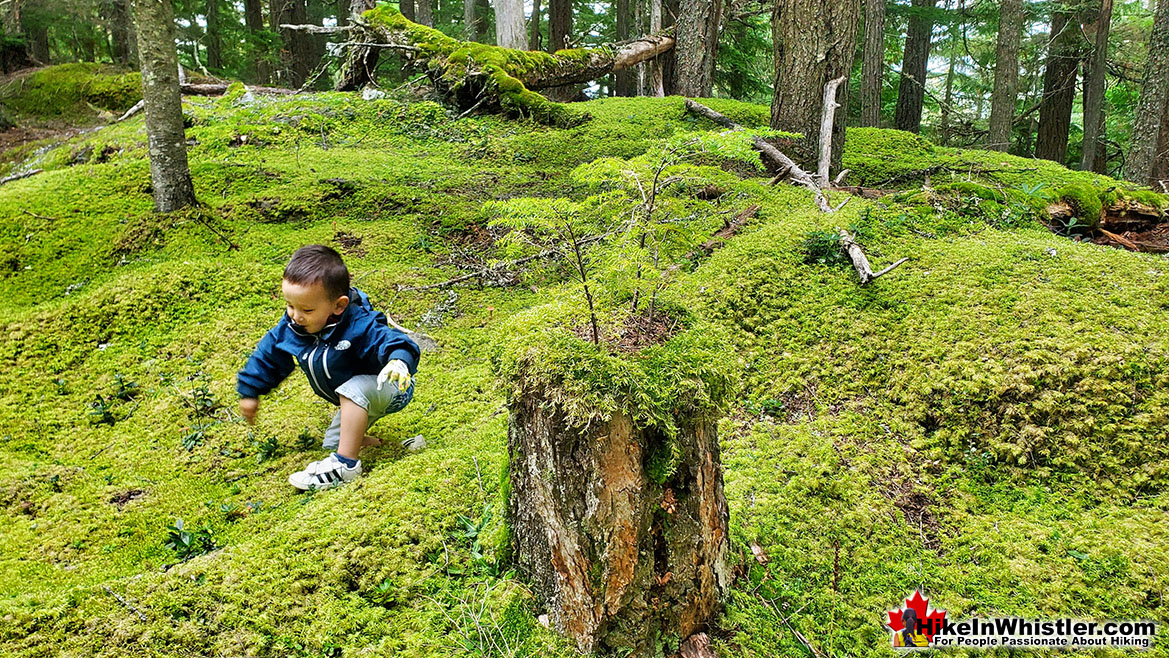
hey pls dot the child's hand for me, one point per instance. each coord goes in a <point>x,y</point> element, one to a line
<point>397,372</point>
<point>248,408</point>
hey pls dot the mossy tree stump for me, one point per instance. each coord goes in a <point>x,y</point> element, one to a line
<point>619,526</point>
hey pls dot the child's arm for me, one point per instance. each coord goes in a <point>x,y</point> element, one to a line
<point>264,371</point>
<point>395,351</point>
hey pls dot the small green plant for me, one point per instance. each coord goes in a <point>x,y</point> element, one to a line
<point>266,448</point>
<point>101,411</point>
<point>823,247</point>
<point>187,544</point>
<point>383,592</point>
<point>203,401</point>
<point>126,389</point>
<point>196,435</point>
<point>306,440</point>
<point>60,384</point>
<point>55,483</point>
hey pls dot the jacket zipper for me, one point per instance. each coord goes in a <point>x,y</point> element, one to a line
<point>313,375</point>
<point>325,362</point>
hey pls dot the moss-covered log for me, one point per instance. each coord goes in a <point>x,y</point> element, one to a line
<point>475,75</point>
<point>621,559</point>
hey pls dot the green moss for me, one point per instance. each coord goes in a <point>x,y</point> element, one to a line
<point>71,90</point>
<point>881,158</point>
<point>973,189</point>
<point>1086,205</point>
<point>1146,197</point>
<point>990,417</point>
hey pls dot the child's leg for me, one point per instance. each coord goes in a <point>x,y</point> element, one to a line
<point>354,421</point>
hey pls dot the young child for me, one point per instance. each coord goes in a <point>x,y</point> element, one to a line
<point>347,351</point>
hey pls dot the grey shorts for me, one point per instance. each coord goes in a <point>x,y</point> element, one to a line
<point>362,389</point>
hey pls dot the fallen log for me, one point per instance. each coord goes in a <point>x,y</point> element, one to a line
<point>494,79</point>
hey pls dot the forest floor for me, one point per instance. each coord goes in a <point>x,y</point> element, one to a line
<point>989,422</point>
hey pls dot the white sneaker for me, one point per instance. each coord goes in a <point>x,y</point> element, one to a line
<point>324,474</point>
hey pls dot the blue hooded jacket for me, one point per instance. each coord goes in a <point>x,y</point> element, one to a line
<point>360,342</point>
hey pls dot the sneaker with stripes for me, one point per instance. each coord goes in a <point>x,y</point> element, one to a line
<point>324,474</point>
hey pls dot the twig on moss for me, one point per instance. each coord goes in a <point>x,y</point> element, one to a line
<point>126,604</point>
<point>26,174</point>
<point>33,214</point>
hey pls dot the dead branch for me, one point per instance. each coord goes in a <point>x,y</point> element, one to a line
<point>126,604</point>
<point>220,89</point>
<point>26,174</point>
<point>827,117</point>
<point>860,262</point>
<point>132,111</point>
<point>317,29</point>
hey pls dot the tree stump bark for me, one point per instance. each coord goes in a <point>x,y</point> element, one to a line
<point>622,555</point>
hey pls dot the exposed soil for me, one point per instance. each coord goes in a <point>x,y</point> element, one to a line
<point>638,332</point>
<point>121,498</point>
<point>350,244</point>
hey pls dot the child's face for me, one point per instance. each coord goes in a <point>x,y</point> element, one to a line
<point>310,306</point>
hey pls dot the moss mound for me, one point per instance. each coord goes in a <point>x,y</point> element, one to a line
<point>989,420</point>
<point>72,91</point>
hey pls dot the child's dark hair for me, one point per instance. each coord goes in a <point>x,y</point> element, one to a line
<point>317,263</point>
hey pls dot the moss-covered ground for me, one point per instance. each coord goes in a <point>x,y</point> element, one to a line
<point>988,422</point>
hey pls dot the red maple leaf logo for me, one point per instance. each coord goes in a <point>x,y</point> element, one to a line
<point>931,619</point>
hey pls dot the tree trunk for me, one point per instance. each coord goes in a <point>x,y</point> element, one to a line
<point>696,33</point>
<point>38,37</point>
<point>214,40</point>
<point>1094,88</point>
<point>914,67</point>
<point>559,24</point>
<point>620,560</point>
<point>1004,98</point>
<point>1059,87</point>
<point>948,98</point>
<point>668,61</point>
<point>625,80</point>
<point>509,24</point>
<point>407,7</point>
<point>120,31</point>
<point>254,21</point>
<point>873,63</point>
<point>425,12</point>
<point>535,40</point>
<point>654,72</point>
<point>470,21</point>
<point>342,12</point>
<point>1142,153</point>
<point>170,177</point>
<point>1160,176</point>
<point>814,42</point>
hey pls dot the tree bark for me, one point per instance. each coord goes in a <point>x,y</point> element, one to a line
<point>873,63</point>
<point>342,12</point>
<point>1142,154</point>
<point>1159,180</point>
<point>559,24</point>
<point>1059,86</point>
<point>407,7</point>
<point>814,42</point>
<point>470,21</point>
<point>425,12</point>
<point>668,61</point>
<point>169,174</point>
<point>535,40</point>
<point>509,24</point>
<point>618,559</point>
<point>625,80</point>
<point>1094,88</point>
<point>214,39</point>
<point>948,98</point>
<point>119,31</point>
<point>1004,98</point>
<point>254,21</point>
<point>914,67</point>
<point>696,33</point>
<point>656,79</point>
